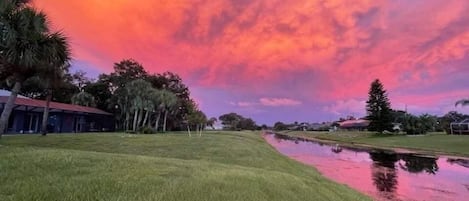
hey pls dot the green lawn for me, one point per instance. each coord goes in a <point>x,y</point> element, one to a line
<point>430,143</point>
<point>217,166</point>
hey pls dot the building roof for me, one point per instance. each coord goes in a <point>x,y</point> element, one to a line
<point>354,123</point>
<point>38,106</point>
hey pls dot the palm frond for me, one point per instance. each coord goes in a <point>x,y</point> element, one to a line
<point>462,102</point>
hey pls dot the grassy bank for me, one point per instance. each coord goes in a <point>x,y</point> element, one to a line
<point>437,143</point>
<point>217,166</point>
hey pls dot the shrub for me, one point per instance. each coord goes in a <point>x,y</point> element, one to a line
<point>146,130</point>
<point>414,126</point>
<point>419,125</point>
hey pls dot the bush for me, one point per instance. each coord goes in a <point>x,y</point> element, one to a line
<point>419,125</point>
<point>146,130</point>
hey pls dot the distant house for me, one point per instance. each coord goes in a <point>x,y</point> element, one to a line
<point>27,113</point>
<point>356,124</point>
<point>325,126</point>
<point>460,128</point>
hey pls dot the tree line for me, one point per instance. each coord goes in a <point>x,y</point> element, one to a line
<point>35,62</point>
<point>234,121</point>
<point>382,117</point>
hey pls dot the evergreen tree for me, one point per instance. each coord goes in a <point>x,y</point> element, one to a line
<point>378,108</point>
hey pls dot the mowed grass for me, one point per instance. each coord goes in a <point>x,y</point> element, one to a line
<point>433,142</point>
<point>217,166</point>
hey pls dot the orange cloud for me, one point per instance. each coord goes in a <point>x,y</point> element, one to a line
<point>320,52</point>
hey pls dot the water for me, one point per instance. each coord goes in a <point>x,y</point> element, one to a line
<point>381,174</point>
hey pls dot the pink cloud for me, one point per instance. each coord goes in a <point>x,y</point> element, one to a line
<point>243,104</point>
<point>276,102</point>
<point>350,107</point>
<point>269,102</point>
<point>318,51</point>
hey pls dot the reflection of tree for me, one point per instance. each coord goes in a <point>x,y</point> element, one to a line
<point>384,172</point>
<point>417,164</point>
<point>281,138</point>
<point>461,162</point>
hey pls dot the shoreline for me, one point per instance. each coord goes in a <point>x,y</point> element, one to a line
<point>401,150</point>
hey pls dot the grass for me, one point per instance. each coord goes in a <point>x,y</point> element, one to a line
<point>217,166</point>
<point>431,143</point>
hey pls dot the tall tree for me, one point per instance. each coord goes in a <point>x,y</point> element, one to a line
<point>22,31</point>
<point>84,99</point>
<point>197,119</point>
<point>173,83</point>
<point>125,72</point>
<point>54,61</point>
<point>101,93</point>
<point>80,80</point>
<point>230,121</point>
<point>138,92</point>
<point>378,108</point>
<point>233,121</point>
<point>168,105</point>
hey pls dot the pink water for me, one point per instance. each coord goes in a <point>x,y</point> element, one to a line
<point>383,175</point>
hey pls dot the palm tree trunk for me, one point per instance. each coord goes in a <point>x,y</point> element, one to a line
<point>189,130</point>
<point>45,115</point>
<point>200,130</point>
<point>149,119</point>
<point>164,121</point>
<point>126,121</point>
<point>157,121</point>
<point>9,107</point>
<point>134,128</point>
<point>145,118</point>
<point>140,118</point>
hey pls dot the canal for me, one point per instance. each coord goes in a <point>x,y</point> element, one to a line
<point>381,174</point>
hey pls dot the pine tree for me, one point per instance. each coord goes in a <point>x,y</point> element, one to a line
<point>378,108</point>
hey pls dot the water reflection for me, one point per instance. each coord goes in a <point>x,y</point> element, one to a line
<point>419,164</point>
<point>383,174</point>
<point>461,162</point>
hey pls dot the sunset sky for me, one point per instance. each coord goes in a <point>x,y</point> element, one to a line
<point>277,60</point>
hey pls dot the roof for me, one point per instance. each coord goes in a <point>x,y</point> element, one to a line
<point>4,92</point>
<point>22,103</point>
<point>354,123</point>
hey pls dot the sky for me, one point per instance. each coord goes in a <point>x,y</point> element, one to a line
<point>276,60</point>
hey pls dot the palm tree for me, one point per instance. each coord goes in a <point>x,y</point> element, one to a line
<point>124,103</point>
<point>168,103</point>
<point>151,104</point>
<point>83,99</point>
<point>55,61</point>
<point>22,30</point>
<point>138,92</point>
<point>462,102</point>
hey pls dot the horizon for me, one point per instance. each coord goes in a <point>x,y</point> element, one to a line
<point>305,61</point>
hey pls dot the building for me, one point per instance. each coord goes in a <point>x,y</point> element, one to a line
<point>460,128</point>
<point>356,124</point>
<point>27,113</point>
